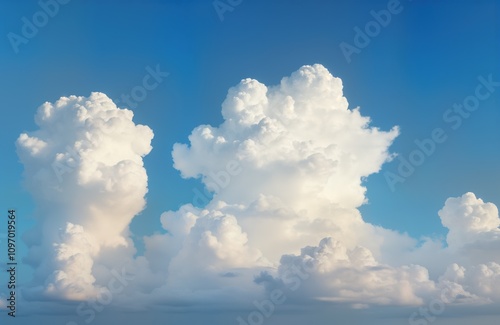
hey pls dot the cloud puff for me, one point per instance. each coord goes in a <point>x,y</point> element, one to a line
<point>331,272</point>
<point>474,245</point>
<point>74,254</point>
<point>215,248</point>
<point>469,219</point>
<point>457,287</point>
<point>84,168</point>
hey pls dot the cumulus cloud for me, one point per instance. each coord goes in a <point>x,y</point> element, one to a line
<point>303,155</point>
<point>288,164</point>
<point>74,254</point>
<point>331,272</point>
<point>84,168</point>
<point>214,256</point>
<point>298,137</point>
<point>473,244</point>
<point>286,170</point>
<point>469,219</point>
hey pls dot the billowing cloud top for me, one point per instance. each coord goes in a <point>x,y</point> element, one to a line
<point>84,168</point>
<point>294,141</point>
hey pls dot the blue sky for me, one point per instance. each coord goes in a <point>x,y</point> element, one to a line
<point>425,60</point>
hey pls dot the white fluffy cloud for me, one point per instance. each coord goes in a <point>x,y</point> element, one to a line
<point>300,156</point>
<point>296,141</point>
<point>286,166</point>
<point>84,168</point>
<point>212,254</point>
<point>286,170</point>
<point>74,254</point>
<point>469,219</point>
<point>331,272</point>
<point>474,246</point>
<point>288,163</point>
